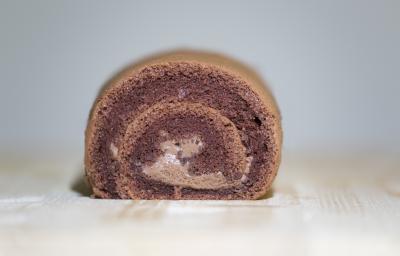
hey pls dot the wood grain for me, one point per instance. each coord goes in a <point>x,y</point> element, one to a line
<point>319,205</point>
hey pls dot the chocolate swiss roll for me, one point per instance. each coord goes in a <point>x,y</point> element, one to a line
<point>183,125</point>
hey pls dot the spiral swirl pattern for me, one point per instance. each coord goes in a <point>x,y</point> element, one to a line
<point>182,128</point>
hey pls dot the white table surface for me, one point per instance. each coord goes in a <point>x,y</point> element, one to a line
<point>319,205</point>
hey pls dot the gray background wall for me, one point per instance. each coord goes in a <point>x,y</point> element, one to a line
<point>333,65</point>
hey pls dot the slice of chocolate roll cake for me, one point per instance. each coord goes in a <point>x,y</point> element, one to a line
<point>183,125</point>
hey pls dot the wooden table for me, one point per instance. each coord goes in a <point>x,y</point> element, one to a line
<point>319,205</point>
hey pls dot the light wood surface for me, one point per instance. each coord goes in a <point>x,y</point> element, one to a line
<point>319,205</point>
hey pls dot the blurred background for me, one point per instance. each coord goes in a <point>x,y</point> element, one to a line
<point>333,66</point>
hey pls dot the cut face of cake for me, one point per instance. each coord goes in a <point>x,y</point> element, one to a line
<point>184,125</point>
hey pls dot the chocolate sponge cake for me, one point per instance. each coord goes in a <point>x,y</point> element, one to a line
<point>183,125</point>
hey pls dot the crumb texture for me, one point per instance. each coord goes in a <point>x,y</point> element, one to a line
<point>182,130</point>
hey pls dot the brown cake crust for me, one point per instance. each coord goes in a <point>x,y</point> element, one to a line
<point>183,125</point>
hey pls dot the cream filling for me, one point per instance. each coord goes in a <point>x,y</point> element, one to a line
<point>114,151</point>
<point>169,169</point>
